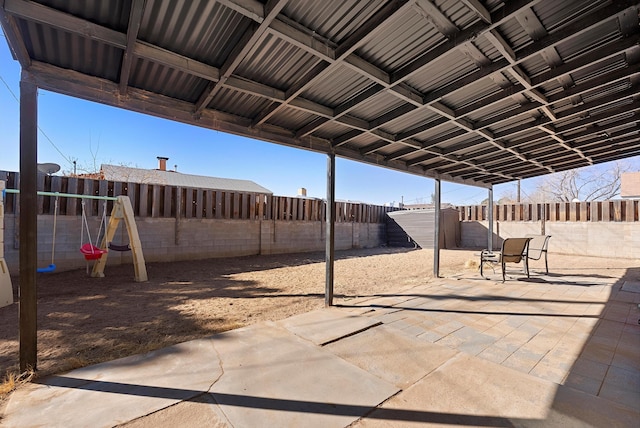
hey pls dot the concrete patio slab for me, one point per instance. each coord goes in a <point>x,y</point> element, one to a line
<point>200,411</point>
<point>326,326</point>
<point>275,379</point>
<point>396,357</point>
<point>469,391</point>
<point>118,391</point>
<point>261,375</point>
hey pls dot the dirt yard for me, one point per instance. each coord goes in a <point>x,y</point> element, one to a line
<point>83,320</point>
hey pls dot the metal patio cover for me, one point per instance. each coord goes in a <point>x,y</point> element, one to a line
<point>473,91</point>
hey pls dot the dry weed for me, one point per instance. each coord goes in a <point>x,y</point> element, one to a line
<point>13,380</point>
<point>471,264</point>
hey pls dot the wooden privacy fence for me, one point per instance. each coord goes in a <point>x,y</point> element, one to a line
<point>156,200</point>
<point>624,210</point>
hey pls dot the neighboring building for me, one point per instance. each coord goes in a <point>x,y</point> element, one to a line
<point>424,206</point>
<point>174,178</point>
<point>630,185</point>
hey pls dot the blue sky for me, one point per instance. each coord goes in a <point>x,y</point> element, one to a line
<point>94,133</point>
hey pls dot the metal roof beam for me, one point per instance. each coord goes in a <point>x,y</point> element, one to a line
<point>478,8</point>
<point>311,126</point>
<point>590,121</point>
<point>173,60</point>
<point>351,103</point>
<point>399,153</point>
<point>135,19</point>
<point>527,83</point>
<point>467,35</point>
<point>90,88</point>
<point>240,51</point>
<point>252,9</point>
<point>422,128</point>
<point>431,13</point>
<point>529,21</point>
<point>16,43</point>
<point>345,138</point>
<point>63,21</point>
<point>372,148</point>
<point>372,27</point>
<point>502,65</point>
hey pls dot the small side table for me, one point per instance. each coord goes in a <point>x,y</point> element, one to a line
<point>490,257</point>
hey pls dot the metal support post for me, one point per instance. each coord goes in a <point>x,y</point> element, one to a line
<point>436,231</point>
<point>490,219</point>
<point>330,226</point>
<point>28,313</point>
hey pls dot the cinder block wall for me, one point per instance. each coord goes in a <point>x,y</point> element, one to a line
<point>168,239</point>
<point>598,239</point>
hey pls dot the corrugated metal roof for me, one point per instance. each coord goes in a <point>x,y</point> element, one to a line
<point>173,178</point>
<point>478,92</point>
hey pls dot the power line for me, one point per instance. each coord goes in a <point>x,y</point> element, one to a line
<point>39,129</point>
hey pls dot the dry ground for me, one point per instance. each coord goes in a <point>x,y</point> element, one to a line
<point>83,320</point>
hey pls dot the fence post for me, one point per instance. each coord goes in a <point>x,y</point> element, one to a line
<point>617,210</point>
<point>606,211</point>
<point>629,212</point>
<point>595,211</point>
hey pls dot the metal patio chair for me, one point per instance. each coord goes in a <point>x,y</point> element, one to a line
<point>537,247</point>
<point>514,250</point>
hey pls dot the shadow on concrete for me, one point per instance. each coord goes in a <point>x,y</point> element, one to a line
<point>284,405</point>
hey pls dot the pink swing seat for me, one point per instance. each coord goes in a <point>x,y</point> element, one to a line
<point>91,252</point>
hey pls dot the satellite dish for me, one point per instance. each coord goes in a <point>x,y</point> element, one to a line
<point>48,168</point>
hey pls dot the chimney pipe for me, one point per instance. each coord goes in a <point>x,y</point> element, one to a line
<point>162,163</point>
<point>302,192</point>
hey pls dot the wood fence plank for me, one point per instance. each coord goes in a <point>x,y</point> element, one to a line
<point>252,206</point>
<point>235,205</point>
<point>71,206</point>
<point>103,190</point>
<point>300,203</point>
<point>40,185</point>
<point>268,207</point>
<point>144,200</point>
<point>134,197</point>
<point>227,205</point>
<point>218,210</point>
<point>595,211</point>
<point>56,186</point>
<point>188,202</point>
<point>208,203</point>
<point>293,210</point>
<point>583,216</point>
<point>155,201</point>
<point>168,201</point>
<point>281,208</point>
<point>199,205</point>
<point>617,210</point>
<point>629,212</point>
<point>244,205</point>
<point>261,201</point>
<point>606,211</point>
<point>88,190</point>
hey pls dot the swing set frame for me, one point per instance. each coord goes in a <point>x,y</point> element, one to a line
<point>122,210</point>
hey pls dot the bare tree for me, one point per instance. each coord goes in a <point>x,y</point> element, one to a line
<point>584,184</point>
